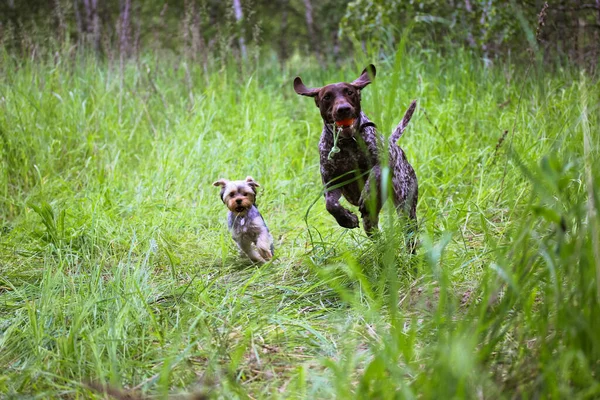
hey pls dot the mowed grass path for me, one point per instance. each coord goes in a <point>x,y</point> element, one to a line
<point>116,265</point>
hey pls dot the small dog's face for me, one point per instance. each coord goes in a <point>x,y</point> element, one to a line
<point>339,103</point>
<point>238,196</point>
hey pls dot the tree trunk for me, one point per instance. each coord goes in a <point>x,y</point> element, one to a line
<point>309,21</point>
<point>92,23</point>
<point>125,32</point>
<point>470,37</point>
<point>312,37</point>
<point>237,10</point>
<point>597,35</point>
<point>283,44</point>
<point>78,22</point>
<point>61,24</point>
<point>486,8</point>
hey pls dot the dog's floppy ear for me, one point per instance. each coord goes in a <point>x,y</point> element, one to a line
<point>221,182</point>
<point>303,90</point>
<point>365,78</point>
<point>252,183</point>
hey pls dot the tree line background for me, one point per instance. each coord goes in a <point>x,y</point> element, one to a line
<point>326,29</point>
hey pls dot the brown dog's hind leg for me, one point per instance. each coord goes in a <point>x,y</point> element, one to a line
<point>407,211</point>
<point>370,203</point>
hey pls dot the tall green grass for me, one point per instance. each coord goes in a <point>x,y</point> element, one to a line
<point>116,266</point>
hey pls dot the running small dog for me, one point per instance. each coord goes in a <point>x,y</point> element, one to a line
<point>245,223</point>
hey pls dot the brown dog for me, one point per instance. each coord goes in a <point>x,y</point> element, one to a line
<point>349,155</point>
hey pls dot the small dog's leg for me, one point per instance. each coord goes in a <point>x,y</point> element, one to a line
<point>251,252</point>
<point>264,245</point>
<point>241,251</point>
<point>343,217</point>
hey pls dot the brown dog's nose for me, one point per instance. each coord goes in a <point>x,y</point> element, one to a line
<point>343,111</point>
<point>239,201</point>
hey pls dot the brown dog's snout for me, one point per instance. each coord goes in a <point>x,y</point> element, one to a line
<point>238,201</point>
<point>343,110</point>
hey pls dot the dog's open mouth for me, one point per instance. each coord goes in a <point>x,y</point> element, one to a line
<point>240,209</point>
<point>345,123</point>
<point>345,127</point>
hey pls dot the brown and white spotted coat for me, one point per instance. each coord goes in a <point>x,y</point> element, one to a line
<point>355,171</point>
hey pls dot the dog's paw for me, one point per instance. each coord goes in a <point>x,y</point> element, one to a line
<point>265,254</point>
<point>348,220</point>
<point>371,230</point>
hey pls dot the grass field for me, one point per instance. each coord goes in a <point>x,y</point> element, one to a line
<point>116,266</point>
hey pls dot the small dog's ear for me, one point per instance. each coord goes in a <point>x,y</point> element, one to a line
<point>250,181</point>
<point>220,182</point>
<point>366,77</point>
<point>303,90</point>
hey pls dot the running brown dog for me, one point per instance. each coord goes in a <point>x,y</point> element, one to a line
<point>350,148</point>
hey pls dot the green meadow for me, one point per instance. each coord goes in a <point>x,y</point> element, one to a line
<point>118,274</point>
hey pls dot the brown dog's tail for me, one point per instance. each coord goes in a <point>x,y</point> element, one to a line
<point>402,125</point>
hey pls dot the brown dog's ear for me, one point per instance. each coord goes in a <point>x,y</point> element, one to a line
<point>365,78</point>
<point>220,182</point>
<point>252,183</point>
<point>303,90</point>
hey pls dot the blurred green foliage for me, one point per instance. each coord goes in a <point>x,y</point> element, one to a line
<point>328,29</point>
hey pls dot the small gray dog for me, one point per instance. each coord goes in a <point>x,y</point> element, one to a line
<point>350,149</point>
<point>245,223</point>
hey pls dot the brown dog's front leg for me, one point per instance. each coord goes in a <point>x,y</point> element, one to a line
<point>343,217</point>
<point>370,201</point>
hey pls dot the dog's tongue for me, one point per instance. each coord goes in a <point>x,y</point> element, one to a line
<point>345,122</point>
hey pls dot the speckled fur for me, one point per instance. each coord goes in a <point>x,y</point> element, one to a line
<point>358,162</point>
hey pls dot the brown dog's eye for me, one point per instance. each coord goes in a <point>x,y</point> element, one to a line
<point>326,97</point>
<point>349,92</point>
<point>231,194</point>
